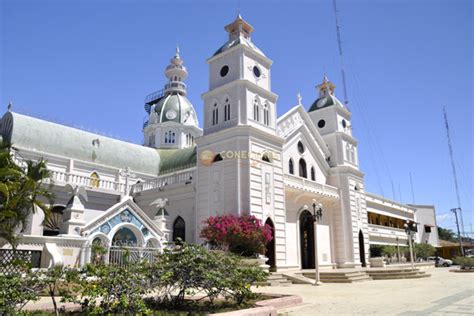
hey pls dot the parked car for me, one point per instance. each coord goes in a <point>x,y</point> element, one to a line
<point>441,262</point>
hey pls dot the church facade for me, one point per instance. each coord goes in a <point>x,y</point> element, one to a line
<point>244,160</point>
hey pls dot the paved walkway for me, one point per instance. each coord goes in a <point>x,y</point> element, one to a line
<point>444,293</point>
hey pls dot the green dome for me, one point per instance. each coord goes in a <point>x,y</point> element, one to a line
<point>176,108</point>
<point>323,102</point>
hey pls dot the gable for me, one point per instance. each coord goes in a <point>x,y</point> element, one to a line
<point>125,212</point>
<point>296,125</point>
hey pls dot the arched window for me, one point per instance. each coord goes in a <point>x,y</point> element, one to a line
<point>179,229</point>
<point>348,154</point>
<point>217,158</point>
<point>256,110</point>
<point>313,174</point>
<point>94,180</point>
<point>125,237</point>
<point>52,223</point>
<point>166,137</point>
<point>302,168</point>
<point>215,115</point>
<point>291,168</point>
<point>227,110</point>
<point>173,138</point>
<point>266,157</point>
<point>266,115</point>
<point>353,154</point>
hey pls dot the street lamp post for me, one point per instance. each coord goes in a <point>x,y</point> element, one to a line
<point>410,230</point>
<point>317,216</point>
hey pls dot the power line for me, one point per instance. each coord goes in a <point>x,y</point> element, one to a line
<point>456,186</point>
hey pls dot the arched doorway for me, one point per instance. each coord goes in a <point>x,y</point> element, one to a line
<point>270,250</point>
<point>307,240</point>
<point>362,249</point>
<point>179,229</point>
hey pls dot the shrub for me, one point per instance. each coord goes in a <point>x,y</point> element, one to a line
<point>16,290</point>
<point>464,262</point>
<point>192,269</point>
<point>424,250</point>
<point>376,251</point>
<point>111,289</point>
<point>60,281</point>
<point>244,235</point>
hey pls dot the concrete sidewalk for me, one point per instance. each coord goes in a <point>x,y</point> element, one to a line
<point>444,293</point>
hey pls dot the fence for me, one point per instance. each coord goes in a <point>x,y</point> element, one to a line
<point>122,256</point>
<point>11,260</point>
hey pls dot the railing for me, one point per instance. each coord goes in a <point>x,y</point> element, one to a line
<point>175,86</point>
<point>65,177</point>
<point>154,96</point>
<point>311,186</point>
<point>385,231</point>
<point>123,256</point>
<point>184,176</point>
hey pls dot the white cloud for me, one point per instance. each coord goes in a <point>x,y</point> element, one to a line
<point>444,217</point>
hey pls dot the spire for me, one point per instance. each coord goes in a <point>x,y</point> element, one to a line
<point>238,28</point>
<point>176,74</point>
<point>177,52</point>
<point>326,87</point>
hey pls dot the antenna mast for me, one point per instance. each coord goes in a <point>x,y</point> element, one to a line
<point>454,171</point>
<point>339,43</point>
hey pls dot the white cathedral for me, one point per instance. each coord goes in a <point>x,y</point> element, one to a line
<point>244,160</point>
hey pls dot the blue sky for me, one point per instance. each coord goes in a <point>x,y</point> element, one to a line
<point>89,64</point>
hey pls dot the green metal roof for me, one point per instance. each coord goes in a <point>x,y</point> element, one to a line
<point>177,159</point>
<point>234,42</point>
<point>322,102</point>
<point>46,137</point>
<point>180,105</point>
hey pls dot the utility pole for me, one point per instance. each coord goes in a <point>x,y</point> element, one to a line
<point>455,177</point>
<point>339,44</point>
<point>412,191</point>
<point>455,211</point>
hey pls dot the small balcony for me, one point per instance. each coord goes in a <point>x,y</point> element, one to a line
<point>293,182</point>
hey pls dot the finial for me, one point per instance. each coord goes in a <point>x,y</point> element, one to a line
<point>9,106</point>
<point>298,96</point>
<point>239,17</point>
<point>177,51</point>
<point>325,78</point>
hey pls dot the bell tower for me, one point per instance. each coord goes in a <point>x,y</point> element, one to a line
<point>239,84</point>
<point>333,121</point>
<point>239,156</point>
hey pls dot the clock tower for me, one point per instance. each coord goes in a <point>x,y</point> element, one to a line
<point>239,156</point>
<point>333,121</point>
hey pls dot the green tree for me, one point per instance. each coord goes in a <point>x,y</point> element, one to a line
<point>22,189</point>
<point>424,250</point>
<point>446,234</point>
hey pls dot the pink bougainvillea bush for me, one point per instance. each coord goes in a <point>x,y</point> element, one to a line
<point>244,235</point>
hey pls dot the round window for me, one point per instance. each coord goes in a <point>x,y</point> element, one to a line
<point>224,71</point>
<point>344,124</point>
<point>256,72</point>
<point>300,147</point>
<point>321,123</point>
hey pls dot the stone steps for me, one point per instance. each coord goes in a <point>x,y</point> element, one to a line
<point>394,274</point>
<point>339,277</point>
<point>276,279</point>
